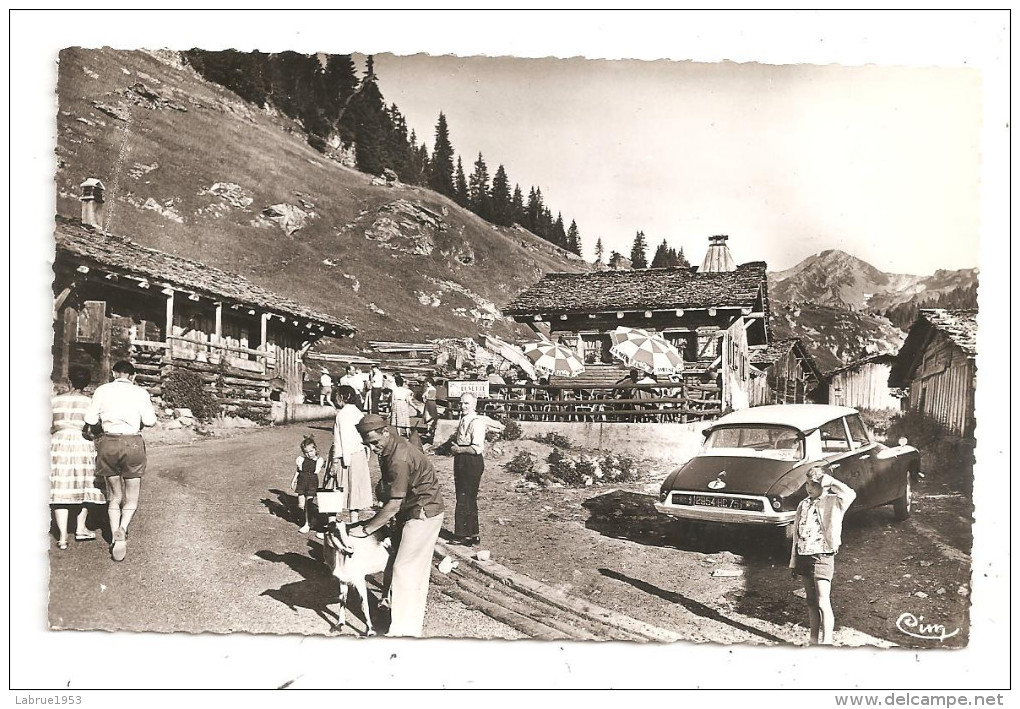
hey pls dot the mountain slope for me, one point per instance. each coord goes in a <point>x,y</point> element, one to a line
<point>193,170</point>
<point>835,278</point>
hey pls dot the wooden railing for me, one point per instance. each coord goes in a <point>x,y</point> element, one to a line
<point>673,402</point>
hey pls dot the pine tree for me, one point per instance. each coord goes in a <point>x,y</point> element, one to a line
<point>574,238</point>
<point>681,260</point>
<point>460,186</point>
<point>638,258</point>
<point>517,212</point>
<point>559,233</point>
<point>661,258</point>
<point>600,251</point>
<point>533,212</point>
<point>478,190</point>
<point>502,207</point>
<point>441,167</point>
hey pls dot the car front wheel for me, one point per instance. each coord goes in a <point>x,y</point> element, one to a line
<point>902,506</point>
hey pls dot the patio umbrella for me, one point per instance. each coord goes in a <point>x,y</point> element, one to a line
<point>642,350</point>
<point>551,358</point>
<point>511,354</point>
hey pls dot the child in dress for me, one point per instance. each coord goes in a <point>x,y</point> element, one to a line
<point>306,477</point>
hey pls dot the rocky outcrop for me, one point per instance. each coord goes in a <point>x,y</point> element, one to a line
<point>405,226</point>
<point>287,216</point>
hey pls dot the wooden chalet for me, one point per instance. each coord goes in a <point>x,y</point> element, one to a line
<point>864,384</point>
<point>116,299</point>
<point>711,316</point>
<point>936,365</point>
<point>789,374</point>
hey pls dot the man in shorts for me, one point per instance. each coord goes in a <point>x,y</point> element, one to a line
<point>121,409</point>
<point>817,532</point>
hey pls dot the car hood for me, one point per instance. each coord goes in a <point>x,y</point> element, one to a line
<point>752,476</point>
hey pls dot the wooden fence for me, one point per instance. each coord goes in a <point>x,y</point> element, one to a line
<point>231,388</point>
<point>676,402</point>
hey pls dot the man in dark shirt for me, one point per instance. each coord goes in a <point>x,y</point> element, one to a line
<point>415,502</point>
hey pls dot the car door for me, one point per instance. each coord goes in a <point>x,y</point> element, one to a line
<point>846,463</point>
<point>864,463</point>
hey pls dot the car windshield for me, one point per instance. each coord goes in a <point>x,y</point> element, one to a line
<point>760,441</point>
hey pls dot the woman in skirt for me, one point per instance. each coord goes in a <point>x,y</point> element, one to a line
<point>350,456</point>
<point>72,460</point>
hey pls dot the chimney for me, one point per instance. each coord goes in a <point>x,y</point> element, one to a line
<point>718,258</point>
<point>93,208</point>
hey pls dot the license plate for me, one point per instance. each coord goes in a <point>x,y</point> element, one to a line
<point>705,501</point>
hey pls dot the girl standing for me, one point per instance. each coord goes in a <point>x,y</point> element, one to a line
<point>400,407</point>
<point>72,460</point>
<point>306,478</point>
<point>350,456</point>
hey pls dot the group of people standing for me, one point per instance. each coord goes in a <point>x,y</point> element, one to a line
<point>97,454</point>
<point>369,395</point>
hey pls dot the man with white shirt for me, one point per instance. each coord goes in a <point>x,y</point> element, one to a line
<point>467,446</point>
<point>121,409</point>
<point>356,381</point>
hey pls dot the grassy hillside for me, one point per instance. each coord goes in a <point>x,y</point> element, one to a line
<point>191,169</point>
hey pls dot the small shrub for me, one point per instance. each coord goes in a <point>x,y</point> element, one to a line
<point>257,414</point>
<point>183,389</point>
<point>512,432</point>
<point>619,468</point>
<point>563,469</point>
<point>556,440</point>
<point>522,464</point>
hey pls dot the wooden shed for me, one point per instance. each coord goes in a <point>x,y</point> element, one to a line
<point>936,365</point>
<point>864,384</point>
<point>115,299</point>
<point>790,374</point>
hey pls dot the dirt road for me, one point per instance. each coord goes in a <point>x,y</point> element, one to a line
<point>215,548</point>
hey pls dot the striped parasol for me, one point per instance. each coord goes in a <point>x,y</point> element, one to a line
<point>550,358</point>
<point>642,350</point>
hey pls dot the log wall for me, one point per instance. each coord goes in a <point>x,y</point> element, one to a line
<point>942,387</point>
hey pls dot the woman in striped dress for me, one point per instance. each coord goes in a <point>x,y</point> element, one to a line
<point>72,460</point>
<point>400,407</point>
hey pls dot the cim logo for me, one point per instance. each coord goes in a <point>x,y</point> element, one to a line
<point>718,483</point>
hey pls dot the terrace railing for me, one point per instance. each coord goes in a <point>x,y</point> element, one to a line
<point>679,402</point>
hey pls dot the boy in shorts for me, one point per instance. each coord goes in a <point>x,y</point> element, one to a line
<point>817,532</point>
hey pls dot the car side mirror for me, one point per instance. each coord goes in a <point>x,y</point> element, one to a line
<point>705,432</point>
<point>902,441</point>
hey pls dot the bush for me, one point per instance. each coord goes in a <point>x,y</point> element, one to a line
<point>618,468</point>
<point>183,389</point>
<point>556,440</point>
<point>920,431</point>
<point>512,432</point>
<point>257,414</point>
<point>563,469</point>
<point>522,464</point>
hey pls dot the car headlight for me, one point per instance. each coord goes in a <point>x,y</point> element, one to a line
<point>777,504</point>
<point>663,494</point>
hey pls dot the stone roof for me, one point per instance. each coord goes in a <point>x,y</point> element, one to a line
<point>652,288</point>
<point>117,254</point>
<point>879,358</point>
<point>959,326</point>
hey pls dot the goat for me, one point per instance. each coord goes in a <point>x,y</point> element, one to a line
<point>351,559</point>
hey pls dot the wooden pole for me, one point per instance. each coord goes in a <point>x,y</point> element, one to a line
<point>168,333</point>
<point>263,344</point>
<point>219,323</point>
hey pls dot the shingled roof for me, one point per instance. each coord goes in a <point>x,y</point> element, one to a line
<point>117,254</point>
<point>767,356</point>
<point>959,326</point>
<point>653,288</point>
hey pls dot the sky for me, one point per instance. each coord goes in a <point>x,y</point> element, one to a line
<point>765,130</point>
<point>881,162</point>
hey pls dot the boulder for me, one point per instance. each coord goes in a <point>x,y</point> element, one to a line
<point>289,217</point>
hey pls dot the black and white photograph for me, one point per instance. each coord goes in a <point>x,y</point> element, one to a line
<point>378,361</point>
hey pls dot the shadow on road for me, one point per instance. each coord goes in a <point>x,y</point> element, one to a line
<point>317,590</point>
<point>284,506</point>
<point>690,604</point>
<point>632,516</point>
